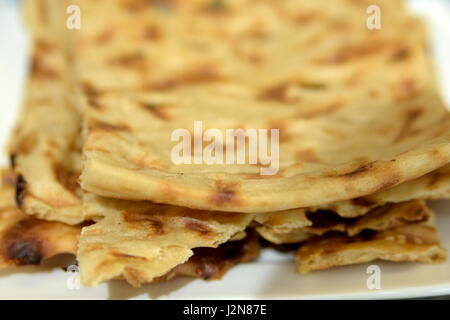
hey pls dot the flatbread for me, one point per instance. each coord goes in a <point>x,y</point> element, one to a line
<point>435,185</point>
<point>381,218</point>
<point>45,148</point>
<point>28,241</point>
<point>376,122</point>
<point>414,242</point>
<point>283,227</point>
<point>141,242</point>
<point>151,44</point>
<point>321,222</point>
<point>213,263</point>
<point>45,206</point>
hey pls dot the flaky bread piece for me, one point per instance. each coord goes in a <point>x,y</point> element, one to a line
<point>291,226</point>
<point>283,226</point>
<point>416,242</point>
<point>28,241</point>
<point>45,148</point>
<point>385,217</point>
<point>142,241</point>
<point>160,45</point>
<point>391,216</point>
<point>375,121</point>
<point>213,263</point>
<point>61,177</point>
<point>434,185</point>
<point>310,223</point>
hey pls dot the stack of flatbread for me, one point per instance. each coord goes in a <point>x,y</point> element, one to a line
<point>364,138</point>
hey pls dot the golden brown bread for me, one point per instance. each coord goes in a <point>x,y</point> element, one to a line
<point>25,240</point>
<point>141,241</point>
<point>361,121</point>
<point>374,121</point>
<point>50,209</point>
<point>45,148</point>
<point>213,263</point>
<point>411,242</point>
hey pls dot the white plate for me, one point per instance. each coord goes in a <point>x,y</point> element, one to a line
<point>273,276</point>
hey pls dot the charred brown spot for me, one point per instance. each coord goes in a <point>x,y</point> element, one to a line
<point>90,90</point>
<point>40,69</point>
<point>277,92</point>
<point>225,194</point>
<point>157,111</point>
<point>366,235</point>
<point>358,171</point>
<point>306,18</point>
<point>364,202</point>
<point>325,219</point>
<point>20,190</point>
<point>152,33</point>
<point>129,60</point>
<point>351,52</point>
<point>306,155</point>
<point>202,74</point>
<point>66,177</point>
<point>12,161</point>
<point>401,53</point>
<point>213,263</point>
<point>197,226</point>
<point>92,95</point>
<point>146,221</point>
<point>22,243</point>
<point>436,154</point>
<point>163,84</point>
<point>411,116</point>
<point>389,182</point>
<point>25,144</point>
<point>105,36</point>
<point>44,47</point>
<point>25,252</point>
<point>434,179</point>
<point>414,212</point>
<point>255,58</point>
<point>145,162</point>
<point>105,126</point>
<point>406,89</point>
<point>373,93</point>
<point>205,73</point>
